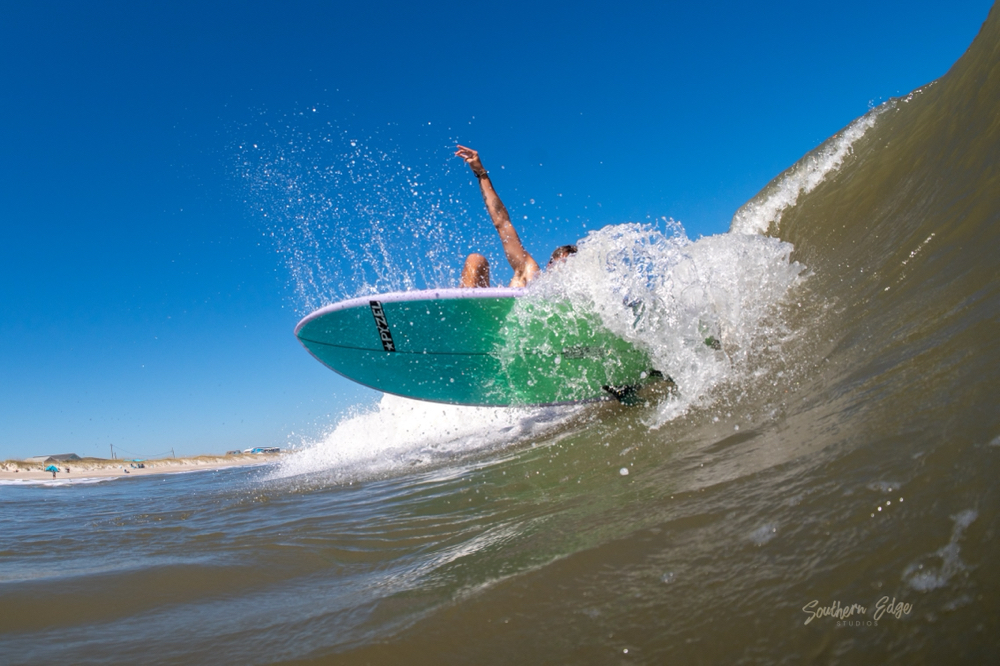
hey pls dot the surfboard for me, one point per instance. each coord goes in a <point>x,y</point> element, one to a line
<point>474,347</point>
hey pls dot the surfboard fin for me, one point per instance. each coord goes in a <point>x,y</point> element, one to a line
<point>628,394</point>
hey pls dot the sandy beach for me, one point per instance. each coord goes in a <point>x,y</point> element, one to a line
<point>91,468</point>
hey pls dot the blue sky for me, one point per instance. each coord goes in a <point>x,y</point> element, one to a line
<point>146,300</point>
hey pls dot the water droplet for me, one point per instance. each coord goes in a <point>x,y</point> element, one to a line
<point>623,471</point>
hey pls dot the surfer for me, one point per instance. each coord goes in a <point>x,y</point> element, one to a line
<point>476,271</point>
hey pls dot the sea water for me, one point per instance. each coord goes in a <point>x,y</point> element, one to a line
<point>820,487</point>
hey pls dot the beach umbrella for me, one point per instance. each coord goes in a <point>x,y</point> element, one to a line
<point>51,468</point>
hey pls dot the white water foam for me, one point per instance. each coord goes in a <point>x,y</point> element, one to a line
<point>934,571</point>
<point>764,534</point>
<point>700,308</point>
<point>77,481</point>
<point>399,433</point>
<point>757,215</point>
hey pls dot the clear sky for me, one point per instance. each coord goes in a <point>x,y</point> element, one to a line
<point>147,297</point>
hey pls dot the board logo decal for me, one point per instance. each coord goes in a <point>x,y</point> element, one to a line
<point>382,324</point>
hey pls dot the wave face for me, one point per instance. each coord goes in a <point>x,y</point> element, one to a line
<point>821,488</point>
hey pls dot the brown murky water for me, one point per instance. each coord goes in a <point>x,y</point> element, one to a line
<point>835,500</point>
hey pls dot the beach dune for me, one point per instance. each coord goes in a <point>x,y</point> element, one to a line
<point>89,468</point>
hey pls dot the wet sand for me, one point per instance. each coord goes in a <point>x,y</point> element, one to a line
<point>93,468</point>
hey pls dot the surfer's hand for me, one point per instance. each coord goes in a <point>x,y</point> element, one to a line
<point>471,158</point>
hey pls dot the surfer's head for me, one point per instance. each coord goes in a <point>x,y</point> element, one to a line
<point>561,253</point>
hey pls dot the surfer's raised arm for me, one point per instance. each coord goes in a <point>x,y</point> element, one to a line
<point>476,271</point>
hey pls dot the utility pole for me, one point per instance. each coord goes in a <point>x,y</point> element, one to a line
<point>172,452</point>
<point>112,451</point>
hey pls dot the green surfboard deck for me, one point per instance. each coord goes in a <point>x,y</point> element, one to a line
<point>472,347</point>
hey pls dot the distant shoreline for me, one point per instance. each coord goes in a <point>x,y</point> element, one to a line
<point>91,468</point>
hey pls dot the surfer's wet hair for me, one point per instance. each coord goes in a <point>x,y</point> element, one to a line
<point>562,252</point>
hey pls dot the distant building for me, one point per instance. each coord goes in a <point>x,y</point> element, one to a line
<point>61,457</point>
